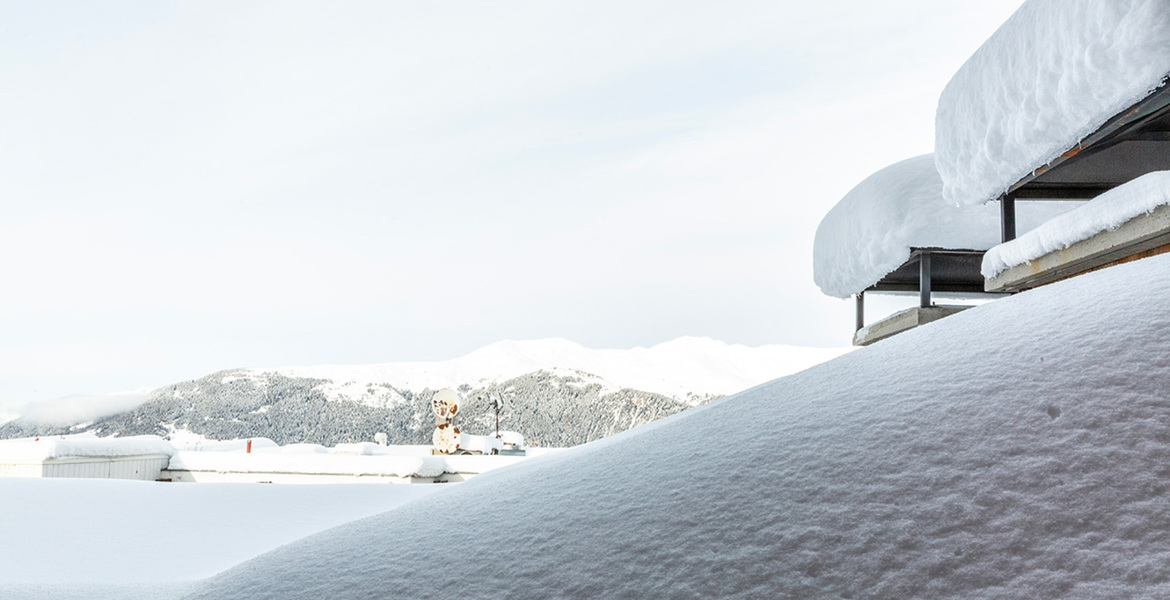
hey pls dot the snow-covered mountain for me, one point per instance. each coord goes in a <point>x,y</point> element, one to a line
<point>556,393</point>
<point>688,369</point>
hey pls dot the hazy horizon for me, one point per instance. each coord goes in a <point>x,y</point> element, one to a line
<point>193,186</point>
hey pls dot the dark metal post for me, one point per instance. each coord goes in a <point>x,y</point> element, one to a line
<point>860,310</point>
<point>1007,217</point>
<point>923,279</point>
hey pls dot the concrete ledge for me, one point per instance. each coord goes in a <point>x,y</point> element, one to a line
<point>1142,235</point>
<point>902,321</point>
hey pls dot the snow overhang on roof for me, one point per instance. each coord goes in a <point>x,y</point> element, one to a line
<point>1058,74</point>
<point>871,231</point>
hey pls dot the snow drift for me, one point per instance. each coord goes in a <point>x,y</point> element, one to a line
<point>1052,74</point>
<point>1105,212</point>
<point>1020,449</point>
<point>870,232</point>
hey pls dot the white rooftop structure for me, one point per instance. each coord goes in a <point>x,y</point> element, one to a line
<point>85,456</point>
<point>1051,76</point>
<point>873,230</point>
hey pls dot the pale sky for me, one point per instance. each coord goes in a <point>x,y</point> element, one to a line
<point>194,186</point>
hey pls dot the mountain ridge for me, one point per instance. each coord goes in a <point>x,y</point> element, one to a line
<point>556,393</point>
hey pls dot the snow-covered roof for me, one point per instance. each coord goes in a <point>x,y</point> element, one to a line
<point>1023,458</point>
<point>1107,211</point>
<point>1051,75</point>
<point>50,447</point>
<point>870,232</point>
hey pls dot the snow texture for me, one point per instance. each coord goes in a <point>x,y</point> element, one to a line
<point>870,232</point>
<point>37,449</point>
<point>1105,212</point>
<point>1019,450</point>
<point>1051,75</point>
<point>685,368</point>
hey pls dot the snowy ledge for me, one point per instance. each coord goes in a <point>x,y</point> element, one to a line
<point>424,467</point>
<point>1106,212</point>
<point>1050,76</point>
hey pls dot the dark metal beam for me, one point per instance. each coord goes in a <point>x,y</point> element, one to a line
<point>951,271</point>
<point>924,279</point>
<point>1061,191</point>
<point>1149,136</point>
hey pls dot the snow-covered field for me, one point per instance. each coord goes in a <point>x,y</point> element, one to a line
<point>1016,450</point>
<point>86,538</point>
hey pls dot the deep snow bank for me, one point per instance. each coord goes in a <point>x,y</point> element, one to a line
<point>1020,449</point>
<point>1051,75</point>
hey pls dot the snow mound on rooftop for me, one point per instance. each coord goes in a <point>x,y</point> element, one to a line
<point>83,445</point>
<point>870,232</point>
<point>1016,450</point>
<point>680,368</point>
<point>1105,212</point>
<point>1052,74</point>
